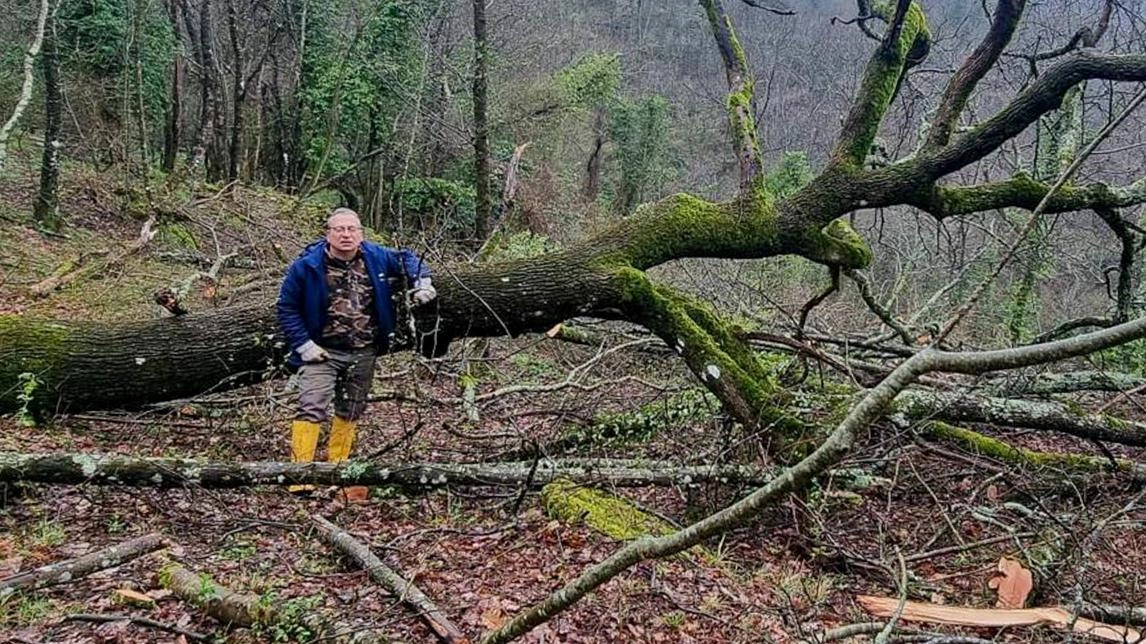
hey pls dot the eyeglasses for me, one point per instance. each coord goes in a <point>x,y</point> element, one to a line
<point>344,229</point>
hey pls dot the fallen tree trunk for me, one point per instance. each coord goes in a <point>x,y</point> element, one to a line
<point>409,593</point>
<point>1010,412</point>
<point>73,569</point>
<point>78,469</point>
<point>1065,383</point>
<point>1007,453</point>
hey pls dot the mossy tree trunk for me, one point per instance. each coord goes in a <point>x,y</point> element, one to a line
<point>46,212</point>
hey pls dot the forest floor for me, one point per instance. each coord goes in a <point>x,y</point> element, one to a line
<point>484,554</point>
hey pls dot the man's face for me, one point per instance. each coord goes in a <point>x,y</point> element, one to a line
<point>344,233</point>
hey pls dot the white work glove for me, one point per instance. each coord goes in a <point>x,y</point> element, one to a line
<point>423,292</point>
<point>311,352</point>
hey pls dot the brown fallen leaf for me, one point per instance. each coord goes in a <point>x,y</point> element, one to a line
<point>1012,582</point>
<point>997,617</point>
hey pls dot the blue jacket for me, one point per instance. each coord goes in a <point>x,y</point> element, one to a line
<point>303,298</point>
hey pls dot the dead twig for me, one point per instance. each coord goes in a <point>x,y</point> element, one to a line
<point>409,593</point>
<point>141,621</point>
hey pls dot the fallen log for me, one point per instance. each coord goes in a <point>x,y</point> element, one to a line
<point>1011,412</point>
<point>217,602</point>
<point>78,469</point>
<point>73,569</point>
<point>992,447</point>
<point>410,594</point>
<point>1064,383</point>
<point>234,609</point>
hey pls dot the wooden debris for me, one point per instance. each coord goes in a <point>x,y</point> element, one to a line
<point>134,598</point>
<point>1013,582</point>
<point>409,593</point>
<point>141,621</point>
<point>224,606</point>
<point>70,273</point>
<point>998,617</point>
<point>73,569</point>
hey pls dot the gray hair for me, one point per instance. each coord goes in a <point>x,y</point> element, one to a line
<point>342,211</point>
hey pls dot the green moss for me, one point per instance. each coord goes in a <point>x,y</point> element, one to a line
<point>997,449</point>
<point>838,244</point>
<point>882,78</point>
<point>29,346</point>
<point>724,363</point>
<point>610,515</point>
<point>178,236</point>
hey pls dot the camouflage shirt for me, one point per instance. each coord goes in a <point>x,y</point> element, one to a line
<point>350,320</point>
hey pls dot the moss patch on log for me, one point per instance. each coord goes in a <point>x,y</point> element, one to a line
<point>1003,451</point>
<point>612,516</point>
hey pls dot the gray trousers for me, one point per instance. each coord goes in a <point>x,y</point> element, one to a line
<point>344,378</point>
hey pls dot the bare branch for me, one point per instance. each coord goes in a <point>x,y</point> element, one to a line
<point>885,316</point>
<point>778,12</point>
<point>837,445</point>
<point>1003,25</point>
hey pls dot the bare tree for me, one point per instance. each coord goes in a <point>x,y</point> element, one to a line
<point>26,88</point>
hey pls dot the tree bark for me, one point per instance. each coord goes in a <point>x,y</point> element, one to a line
<point>483,206</point>
<point>65,571</point>
<point>172,133</point>
<point>47,209</point>
<point>221,604</point>
<point>91,469</point>
<point>1009,412</point>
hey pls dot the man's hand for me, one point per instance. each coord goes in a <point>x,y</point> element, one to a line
<point>423,292</point>
<point>311,352</point>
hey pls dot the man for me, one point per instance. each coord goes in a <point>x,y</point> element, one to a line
<point>336,312</point>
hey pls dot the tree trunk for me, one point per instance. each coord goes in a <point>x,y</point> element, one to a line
<point>172,134</point>
<point>483,206</point>
<point>29,81</point>
<point>593,167</point>
<point>47,210</point>
<point>238,92</point>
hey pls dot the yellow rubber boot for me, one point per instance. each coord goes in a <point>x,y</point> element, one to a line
<point>342,433</point>
<point>303,442</point>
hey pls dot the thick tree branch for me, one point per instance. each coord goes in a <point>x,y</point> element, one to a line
<point>1048,416</point>
<point>1024,191</point>
<point>1042,96</point>
<point>905,44</point>
<point>95,469</point>
<point>740,93</point>
<point>65,571</point>
<point>1003,25</point>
